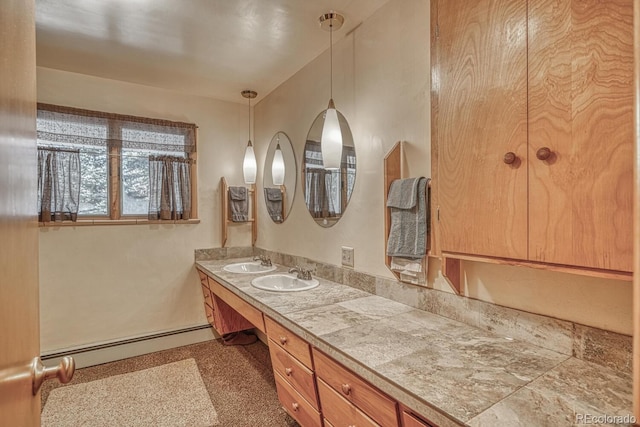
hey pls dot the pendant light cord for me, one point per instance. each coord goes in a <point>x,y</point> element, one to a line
<point>249,118</point>
<point>331,55</point>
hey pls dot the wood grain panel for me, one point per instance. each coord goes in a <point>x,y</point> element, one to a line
<point>295,404</point>
<point>480,87</point>
<point>19,316</point>
<point>294,372</point>
<point>366,397</point>
<point>636,222</point>
<point>209,312</point>
<point>246,310</point>
<point>409,420</point>
<point>339,411</point>
<point>207,295</point>
<point>580,106</point>
<point>289,341</point>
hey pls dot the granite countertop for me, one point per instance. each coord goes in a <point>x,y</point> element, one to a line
<point>451,373</point>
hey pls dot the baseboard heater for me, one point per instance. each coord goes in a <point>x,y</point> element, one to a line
<point>96,354</point>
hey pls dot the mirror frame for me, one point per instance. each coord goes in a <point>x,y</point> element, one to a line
<point>291,175</point>
<point>324,217</point>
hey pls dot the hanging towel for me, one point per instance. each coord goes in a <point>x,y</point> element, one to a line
<point>409,218</point>
<point>273,198</point>
<point>239,203</point>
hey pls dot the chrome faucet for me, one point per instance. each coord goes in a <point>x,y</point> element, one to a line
<point>265,261</point>
<point>303,274</point>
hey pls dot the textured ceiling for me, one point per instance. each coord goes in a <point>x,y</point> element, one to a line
<point>213,48</point>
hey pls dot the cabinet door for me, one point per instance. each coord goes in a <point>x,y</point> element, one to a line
<point>480,114</point>
<point>581,108</point>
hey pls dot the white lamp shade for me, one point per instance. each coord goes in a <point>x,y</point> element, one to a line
<point>249,165</point>
<point>277,167</point>
<point>331,141</point>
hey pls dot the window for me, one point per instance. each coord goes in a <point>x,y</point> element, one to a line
<point>130,167</point>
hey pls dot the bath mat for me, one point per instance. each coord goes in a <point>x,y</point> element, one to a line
<point>171,395</point>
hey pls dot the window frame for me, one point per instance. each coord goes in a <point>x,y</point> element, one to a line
<point>114,170</point>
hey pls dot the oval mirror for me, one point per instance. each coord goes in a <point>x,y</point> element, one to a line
<point>327,191</point>
<point>279,177</point>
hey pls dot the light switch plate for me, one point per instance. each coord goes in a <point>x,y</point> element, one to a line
<point>347,256</point>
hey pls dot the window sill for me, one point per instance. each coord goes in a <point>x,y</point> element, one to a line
<point>85,222</point>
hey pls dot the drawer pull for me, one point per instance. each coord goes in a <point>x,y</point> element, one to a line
<point>288,371</point>
<point>283,340</point>
<point>346,389</point>
<point>295,406</point>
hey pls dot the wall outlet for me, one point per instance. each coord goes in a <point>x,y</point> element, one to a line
<point>347,256</point>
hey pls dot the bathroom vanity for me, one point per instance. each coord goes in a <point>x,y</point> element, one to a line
<point>345,357</point>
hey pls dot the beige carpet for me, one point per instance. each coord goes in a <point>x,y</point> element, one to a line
<point>169,395</point>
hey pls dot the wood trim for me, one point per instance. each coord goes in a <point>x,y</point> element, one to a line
<point>636,217</point>
<point>452,273</point>
<point>224,196</point>
<point>603,274</point>
<point>86,222</point>
<point>435,230</point>
<point>392,171</point>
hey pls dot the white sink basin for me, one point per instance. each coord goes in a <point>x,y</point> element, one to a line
<point>248,268</point>
<point>283,283</point>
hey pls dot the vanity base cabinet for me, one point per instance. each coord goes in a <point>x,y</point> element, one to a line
<point>225,311</point>
<point>339,412</point>
<point>355,391</point>
<point>410,420</point>
<point>296,405</point>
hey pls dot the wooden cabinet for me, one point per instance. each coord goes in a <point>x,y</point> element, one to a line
<point>339,412</point>
<point>293,370</point>
<point>410,420</point>
<point>533,130</point>
<point>225,311</point>
<point>356,391</point>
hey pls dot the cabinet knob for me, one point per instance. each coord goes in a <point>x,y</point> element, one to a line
<point>509,158</point>
<point>283,340</point>
<point>543,153</point>
<point>295,406</point>
<point>346,389</point>
<point>288,371</point>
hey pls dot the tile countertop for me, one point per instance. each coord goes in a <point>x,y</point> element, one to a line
<point>451,373</point>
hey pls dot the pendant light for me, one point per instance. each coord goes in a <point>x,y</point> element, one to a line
<point>249,165</point>
<point>331,139</point>
<point>277,167</point>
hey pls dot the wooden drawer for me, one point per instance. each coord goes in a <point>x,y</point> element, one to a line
<point>203,278</point>
<point>246,310</point>
<point>339,411</point>
<point>210,315</point>
<point>296,405</point>
<point>294,372</point>
<point>409,420</point>
<point>356,390</point>
<point>292,343</point>
<point>207,296</point>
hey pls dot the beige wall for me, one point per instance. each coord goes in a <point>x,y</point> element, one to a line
<point>99,283</point>
<point>381,85</point>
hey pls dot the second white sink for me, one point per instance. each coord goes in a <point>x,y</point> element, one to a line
<point>283,283</point>
<point>248,268</point>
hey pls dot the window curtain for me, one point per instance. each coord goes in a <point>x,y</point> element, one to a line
<point>315,197</point>
<point>169,188</point>
<point>58,184</point>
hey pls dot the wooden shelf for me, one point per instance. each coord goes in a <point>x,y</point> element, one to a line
<point>393,170</point>
<point>226,212</point>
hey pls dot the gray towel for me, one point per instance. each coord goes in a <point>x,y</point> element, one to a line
<point>273,198</point>
<point>409,218</point>
<point>239,204</point>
